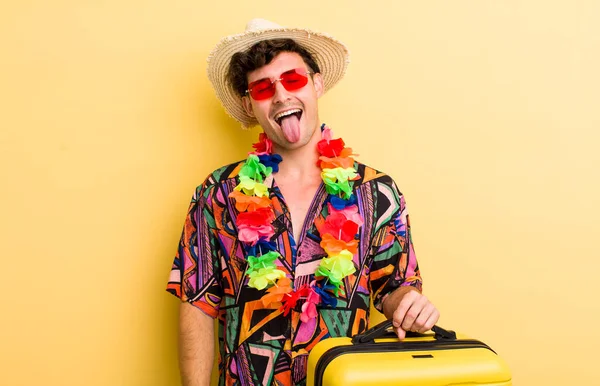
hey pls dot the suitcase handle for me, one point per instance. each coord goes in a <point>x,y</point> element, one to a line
<point>381,329</point>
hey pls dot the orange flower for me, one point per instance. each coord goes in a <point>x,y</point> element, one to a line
<point>337,162</point>
<point>249,203</point>
<point>333,246</point>
<point>276,293</point>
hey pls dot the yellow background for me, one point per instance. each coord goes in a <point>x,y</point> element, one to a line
<point>485,112</point>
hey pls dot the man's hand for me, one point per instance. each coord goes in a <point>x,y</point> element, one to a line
<point>410,311</point>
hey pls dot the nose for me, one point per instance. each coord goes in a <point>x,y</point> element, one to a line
<point>281,94</point>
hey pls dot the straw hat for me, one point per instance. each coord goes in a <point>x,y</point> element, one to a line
<point>330,54</point>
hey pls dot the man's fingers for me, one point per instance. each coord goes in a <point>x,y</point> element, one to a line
<point>424,315</point>
<point>426,319</point>
<point>413,313</point>
<point>431,321</point>
<point>399,314</point>
<point>400,332</point>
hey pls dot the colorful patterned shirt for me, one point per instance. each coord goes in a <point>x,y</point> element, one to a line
<point>258,344</point>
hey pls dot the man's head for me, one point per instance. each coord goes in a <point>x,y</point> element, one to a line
<point>285,83</point>
<point>260,54</point>
<point>317,51</point>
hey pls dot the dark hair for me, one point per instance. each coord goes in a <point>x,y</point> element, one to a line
<point>261,54</point>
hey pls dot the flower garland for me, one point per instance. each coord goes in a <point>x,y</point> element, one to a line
<point>338,230</point>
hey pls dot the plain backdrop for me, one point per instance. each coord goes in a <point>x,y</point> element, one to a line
<point>486,113</point>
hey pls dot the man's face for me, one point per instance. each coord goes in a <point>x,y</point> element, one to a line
<point>288,131</point>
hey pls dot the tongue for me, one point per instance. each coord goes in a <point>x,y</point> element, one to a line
<point>290,126</point>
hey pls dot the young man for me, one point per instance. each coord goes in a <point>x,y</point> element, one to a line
<point>288,247</point>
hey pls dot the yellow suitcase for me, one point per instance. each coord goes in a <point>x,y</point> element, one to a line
<point>377,358</point>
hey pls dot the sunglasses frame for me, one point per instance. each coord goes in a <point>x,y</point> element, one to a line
<point>272,85</point>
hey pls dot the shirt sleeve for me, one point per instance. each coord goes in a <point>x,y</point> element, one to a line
<point>394,263</point>
<point>195,275</point>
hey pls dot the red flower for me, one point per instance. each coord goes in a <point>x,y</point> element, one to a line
<point>331,148</point>
<point>259,217</point>
<point>337,226</point>
<point>290,299</point>
<point>263,146</point>
<point>255,225</point>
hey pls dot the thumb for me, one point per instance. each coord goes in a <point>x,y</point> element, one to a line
<point>400,332</point>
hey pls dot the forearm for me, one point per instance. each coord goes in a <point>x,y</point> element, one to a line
<point>196,346</point>
<point>392,301</point>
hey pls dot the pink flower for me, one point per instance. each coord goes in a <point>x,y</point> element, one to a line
<point>309,308</point>
<point>327,134</point>
<point>251,234</point>
<point>350,212</point>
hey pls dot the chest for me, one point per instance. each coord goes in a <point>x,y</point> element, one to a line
<point>299,197</point>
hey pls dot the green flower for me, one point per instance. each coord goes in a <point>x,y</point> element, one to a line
<point>254,169</point>
<point>331,279</point>
<point>343,189</point>
<point>337,181</point>
<point>264,261</point>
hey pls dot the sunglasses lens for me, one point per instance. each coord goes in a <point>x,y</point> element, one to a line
<point>291,80</point>
<point>294,79</point>
<point>261,89</point>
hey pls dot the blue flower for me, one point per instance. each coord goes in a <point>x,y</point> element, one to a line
<point>339,203</point>
<point>261,247</point>
<point>327,299</point>
<point>271,160</point>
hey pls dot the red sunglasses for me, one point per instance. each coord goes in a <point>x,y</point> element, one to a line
<point>291,80</point>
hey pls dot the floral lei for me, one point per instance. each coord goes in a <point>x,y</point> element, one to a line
<point>338,230</point>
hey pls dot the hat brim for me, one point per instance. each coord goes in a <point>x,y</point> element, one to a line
<point>330,54</point>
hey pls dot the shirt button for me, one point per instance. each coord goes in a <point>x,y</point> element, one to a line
<point>299,253</point>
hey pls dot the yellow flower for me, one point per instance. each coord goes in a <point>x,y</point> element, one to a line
<point>339,265</point>
<point>252,188</point>
<point>338,174</point>
<point>264,276</point>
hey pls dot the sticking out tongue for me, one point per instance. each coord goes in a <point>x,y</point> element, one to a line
<point>290,126</point>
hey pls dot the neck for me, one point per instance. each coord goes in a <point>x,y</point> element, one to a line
<point>300,163</point>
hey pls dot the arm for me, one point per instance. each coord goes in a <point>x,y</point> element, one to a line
<point>195,266</point>
<point>196,346</point>
<point>395,274</point>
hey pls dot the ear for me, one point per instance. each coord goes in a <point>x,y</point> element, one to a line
<point>247,103</point>
<point>318,82</point>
